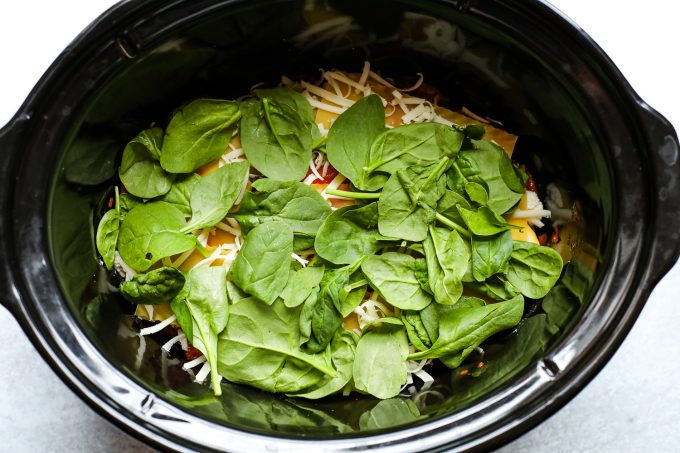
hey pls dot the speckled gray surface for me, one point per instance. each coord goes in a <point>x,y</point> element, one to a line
<point>632,405</point>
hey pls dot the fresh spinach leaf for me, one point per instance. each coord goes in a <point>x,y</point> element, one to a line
<point>411,145</point>
<point>236,294</point>
<point>297,204</point>
<point>484,222</point>
<point>214,195</point>
<point>393,276</point>
<point>407,204</point>
<point>447,258</point>
<point>352,294</point>
<point>465,326</point>
<point>321,316</point>
<point>349,233</point>
<point>276,136</point>
<point>300,285</point>
<point>107,236</point>
<point>533,269</point>
<point>448,203</point>
<point>483,165</point>
<point>342,355</point>
<point>496,287</point>
<point>260,347</point>
<point>422,275</point>
<point>126,203</point>
<point>350,139</point>
<point>140,171</point>
<point>151,232</point>
<point>179,194</point>
<point>490,254</point>
<point>422,326</point>
<point>261,267</point>
<point>380,361</point>
<point>158,286</point>
<point>198,134</point>
<point>202,312</point>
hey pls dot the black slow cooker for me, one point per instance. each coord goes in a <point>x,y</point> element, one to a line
<point>520,62</point>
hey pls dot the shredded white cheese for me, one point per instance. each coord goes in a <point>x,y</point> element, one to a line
<point>327,95</point>
<point>158,326</point>
<point>122,267</point>
<point>228,228</point>
<point>203,373</point>
<point>194,363</point>
<point>299,259</point>
<point>323,105</point>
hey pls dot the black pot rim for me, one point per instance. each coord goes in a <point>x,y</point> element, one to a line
<point>535,394</point>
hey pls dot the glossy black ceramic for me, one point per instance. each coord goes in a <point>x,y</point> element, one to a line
<point>520,62</point>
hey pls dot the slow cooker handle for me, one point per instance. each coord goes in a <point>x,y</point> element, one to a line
<point>663,142</point>
<point>9,139</point>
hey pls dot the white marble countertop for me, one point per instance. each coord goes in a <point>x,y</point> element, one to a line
<point>632,405</point>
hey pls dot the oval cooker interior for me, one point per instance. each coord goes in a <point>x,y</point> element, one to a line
<point>497,61</point>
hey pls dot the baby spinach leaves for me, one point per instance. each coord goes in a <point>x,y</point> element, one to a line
<point>158,286</point>
<point>349,234</point>
<point>350,140</point>
<point>408,203</point>
<point>464,326</point>
<point>533,269</point>
<point>483,221</point>
<point>447,256</point>
<point>321,317</point>
<point>260,347</point>
<point>140,170</point>
<point>490,255</point>
<point>179,194</point>
<point>393,276</point>
<point>202,312</point>
<point>277,133</point>
<point>301,284</point>
<point>291,202</point>
<point>107,236</point>
<point>380,361</point>
<point>213,195</point>
<point>198,134</point>
<point>342,356</point>
<point>151,232</point>
<point>488,165</point>
<point>261,267</point>
<point>419,144</point>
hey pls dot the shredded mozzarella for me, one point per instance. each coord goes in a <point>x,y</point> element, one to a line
<point>203,373</point>
<point>194,363</point>
<point>530,213</point>
<point>380,80</point>
<point>167,346</point>
<point>323,105</point>
<point>158,326</point>
<point>149,311</point>
<point>299,259</point>
<point>327,95</point>
<point>234,224</point>
<point>313,169</point>
<point>416,85</point>
<point>122,267</point>
<point>309,179</point>
<point>364,73</point>
<point>228,228</point>
<point>358,87</point>
<point>183,257</point>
